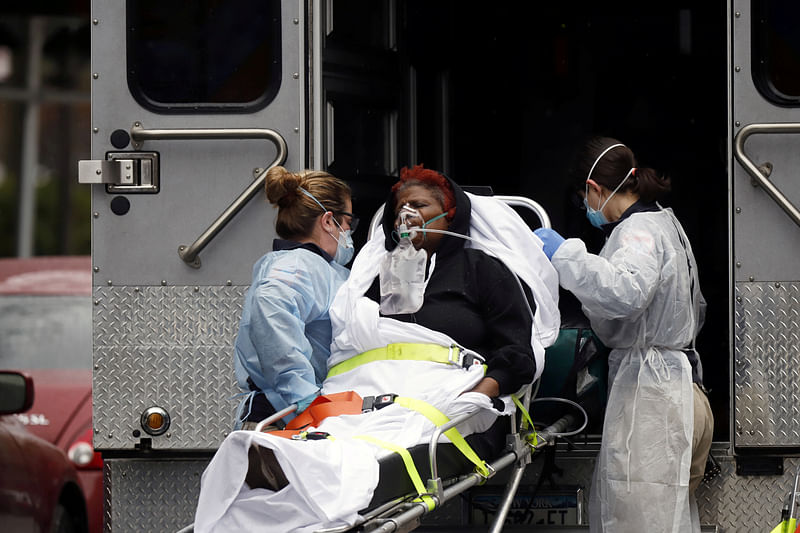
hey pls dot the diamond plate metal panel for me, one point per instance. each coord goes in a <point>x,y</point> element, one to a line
<point>145,496</point>
<point>745,503</point>
<point>767,364</point>
<point>149,495</point>
<point>169,347</point>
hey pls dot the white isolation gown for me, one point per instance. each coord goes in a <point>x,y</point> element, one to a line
<point>643,299</point>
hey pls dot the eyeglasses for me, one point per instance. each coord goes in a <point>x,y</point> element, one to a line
<point>353,219</point>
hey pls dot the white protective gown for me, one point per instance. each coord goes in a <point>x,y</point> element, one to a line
<point>643,299</point>
<point>331,480</point>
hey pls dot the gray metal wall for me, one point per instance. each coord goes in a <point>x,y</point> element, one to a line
<point>766,250</point>
<point>163,331</point>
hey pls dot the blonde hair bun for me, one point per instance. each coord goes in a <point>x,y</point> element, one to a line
<point>282,186</point>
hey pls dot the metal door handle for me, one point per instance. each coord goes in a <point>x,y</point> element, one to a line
<point>756,173</point>
<point>190,253</point>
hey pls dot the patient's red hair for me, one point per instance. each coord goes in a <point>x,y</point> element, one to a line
<point>431,179</point>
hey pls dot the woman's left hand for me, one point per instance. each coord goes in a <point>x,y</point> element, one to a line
<point>487,386</point>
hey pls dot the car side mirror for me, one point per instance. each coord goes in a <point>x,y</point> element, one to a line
<point>16,392</point>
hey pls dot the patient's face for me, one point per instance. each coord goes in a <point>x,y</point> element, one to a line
<point>429,206</point>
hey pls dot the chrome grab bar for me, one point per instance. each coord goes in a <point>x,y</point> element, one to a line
<point>190,253</point>
<point>521,201</point>
<point>755,172</point>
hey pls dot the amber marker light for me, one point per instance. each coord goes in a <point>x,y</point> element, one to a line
<point>155,421</point>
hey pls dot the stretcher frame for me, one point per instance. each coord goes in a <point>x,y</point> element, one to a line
<point>403,514</point>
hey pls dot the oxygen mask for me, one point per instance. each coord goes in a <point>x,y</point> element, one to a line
<point>410,220</point>
<point>402,272</point>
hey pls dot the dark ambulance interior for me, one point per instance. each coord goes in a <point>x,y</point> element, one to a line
<point>507,92</point>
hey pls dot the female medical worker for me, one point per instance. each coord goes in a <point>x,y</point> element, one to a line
<point>642,296</point>
<point>284,335</point>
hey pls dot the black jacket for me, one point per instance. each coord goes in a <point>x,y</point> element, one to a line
<point>476,300</point>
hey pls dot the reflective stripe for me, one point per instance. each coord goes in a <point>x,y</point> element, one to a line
<point>439,419</point>
<point>400,351</point>
<point>411,468</point>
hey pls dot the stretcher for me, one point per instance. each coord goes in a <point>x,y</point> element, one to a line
<point>397,506</point>
<point>420,480</point>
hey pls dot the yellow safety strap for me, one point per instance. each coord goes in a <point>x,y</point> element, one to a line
<point>532,437</point>
<point>787,526</point>
<point>411,468</point>
<point>400,351</point>
<point>439,419</point>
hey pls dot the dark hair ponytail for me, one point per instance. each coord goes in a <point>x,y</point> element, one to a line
<point>649,184</point>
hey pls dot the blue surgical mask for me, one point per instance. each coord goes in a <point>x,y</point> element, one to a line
<point>344,246</point>
<point>596,216</point>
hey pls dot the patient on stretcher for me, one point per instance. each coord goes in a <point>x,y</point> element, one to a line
<point>429,325</point>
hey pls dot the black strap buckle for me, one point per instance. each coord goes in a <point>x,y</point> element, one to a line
<point>463,357</point>
<point>311,435</point>
<point>373,403</point>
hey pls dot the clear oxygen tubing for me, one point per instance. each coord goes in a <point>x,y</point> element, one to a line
<point>412,230</point>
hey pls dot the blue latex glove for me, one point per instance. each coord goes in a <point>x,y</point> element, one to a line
<point>551,239</point>
<point>303,404</point>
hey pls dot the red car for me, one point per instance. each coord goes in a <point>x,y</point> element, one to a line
<point>46,332</point>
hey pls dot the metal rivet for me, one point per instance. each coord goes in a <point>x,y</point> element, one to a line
<point>96,269</point>
<point>110,436</point>
<point>777,284</point>
<point>95,75</point>
<point>96,431</point>
<point>96,130</point>
<point>737,68</point>
<point>109,283</point>
<point>738,14</point>
<point>738,264</point>
<point>95,22</point>
<point>738,123</point>
<point>98,171</point>
<point>752,278</point>
<point>295,21</point>
<point>96,214</point>
<point>163,282</point>
<point>257,171</point>
<point>169,435</point>
<point>297,130</point>
<point>136,289</point>
<point>137,124</point>
<point>225,434</point>
<point>739,299</point>
<point>97,302</point>
<point>229,283</point>
<point>197,289</point>
<point>738,209</point>
<point>296,75</point>
<point>97,367</point>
